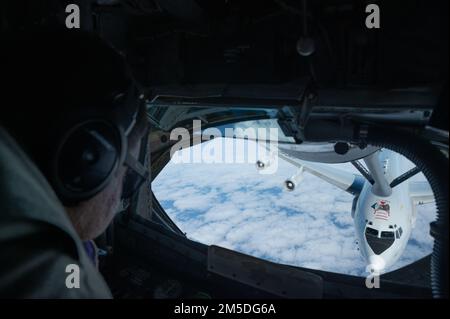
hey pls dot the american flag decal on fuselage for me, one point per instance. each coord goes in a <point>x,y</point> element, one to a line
<point>381,210</point>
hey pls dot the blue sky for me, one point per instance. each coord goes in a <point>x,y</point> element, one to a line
<point>234,206</point>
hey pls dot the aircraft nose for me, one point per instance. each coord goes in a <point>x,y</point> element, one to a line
<point>377,263</point>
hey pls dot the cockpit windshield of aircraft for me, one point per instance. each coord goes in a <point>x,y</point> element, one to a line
<point>294,211</point>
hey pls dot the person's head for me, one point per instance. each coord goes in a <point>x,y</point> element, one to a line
<point>72,104</point>
<point>91,217</point>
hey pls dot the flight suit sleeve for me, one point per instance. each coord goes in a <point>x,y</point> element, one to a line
<point>39,261</point>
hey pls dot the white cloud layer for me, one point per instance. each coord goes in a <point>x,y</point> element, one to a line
<point>233,206</point>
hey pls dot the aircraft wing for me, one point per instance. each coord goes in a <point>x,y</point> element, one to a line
<point>351,183</point>
<point>421,192</point>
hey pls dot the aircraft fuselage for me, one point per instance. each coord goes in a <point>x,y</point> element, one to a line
<point>383,223</point>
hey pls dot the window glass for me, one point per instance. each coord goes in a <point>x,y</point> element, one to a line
<point>237,207</point>
<point>387,234</point>
<point>372,232</point>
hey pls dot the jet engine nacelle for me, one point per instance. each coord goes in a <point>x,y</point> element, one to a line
<point>291,183</point>
<point>265,162</point>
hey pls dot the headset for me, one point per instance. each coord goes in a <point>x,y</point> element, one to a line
<point>91,146</point>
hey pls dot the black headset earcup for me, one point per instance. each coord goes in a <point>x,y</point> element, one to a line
<point>86,159</point>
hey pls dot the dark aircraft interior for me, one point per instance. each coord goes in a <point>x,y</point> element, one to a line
<point>311,65</point>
